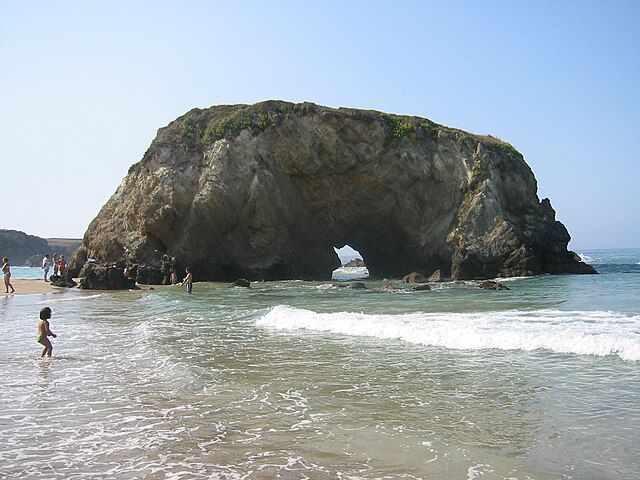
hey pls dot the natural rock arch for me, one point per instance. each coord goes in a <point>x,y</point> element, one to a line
<point>266,191</point>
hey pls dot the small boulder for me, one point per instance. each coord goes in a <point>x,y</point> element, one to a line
<point>358,285</point>
<point>104,277</point>
<point>415,277</point>
<point>437,276</point>
<point>422,286</point>
<point>241,282</point>
<point>492,285</point>
<point>62,281</point>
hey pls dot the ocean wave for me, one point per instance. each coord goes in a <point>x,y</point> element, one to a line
<point>350,273</point>
<point>578,332</point>
<point>585,258</point>
<point>72,299</point>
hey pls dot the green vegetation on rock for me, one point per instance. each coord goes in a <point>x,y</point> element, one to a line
<point>507,150</point>
<point>398,128</point>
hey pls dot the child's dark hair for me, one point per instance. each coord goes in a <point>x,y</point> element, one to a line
<point>5,259</point>
<point>188,269</point>
<point>45,313</point>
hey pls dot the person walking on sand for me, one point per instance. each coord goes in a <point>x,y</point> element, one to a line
<point>44,331</point>
<point>46,263</point>
<point>188,280</point>
<point>6,273</point>
<point>62,265</point>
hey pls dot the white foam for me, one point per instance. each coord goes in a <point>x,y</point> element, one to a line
<point>350,273</point>
<point>578,332</point>
<point>72,299</point>
<point>510,279</point>
<point>585,258</point>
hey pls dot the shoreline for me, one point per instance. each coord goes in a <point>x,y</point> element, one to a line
<point>33,286</point>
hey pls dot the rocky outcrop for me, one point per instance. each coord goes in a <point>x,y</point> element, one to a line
<point>242,282</point>
<point>62,281</point>
<point>356,262</point>
<point>492,285</point>
<point>112,277</point>
<point>415,277</point>
<point>421,287</point>
<point>266,191</point>
<point>437,276</point>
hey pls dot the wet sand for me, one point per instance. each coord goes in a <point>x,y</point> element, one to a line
<point>40,287</point>
<point>31,287</point>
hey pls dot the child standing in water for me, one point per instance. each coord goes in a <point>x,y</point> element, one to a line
<point>188,280</point>
<point>44,331</point>
<point>6,273</point>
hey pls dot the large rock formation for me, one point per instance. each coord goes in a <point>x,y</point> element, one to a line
<point>266,191</point>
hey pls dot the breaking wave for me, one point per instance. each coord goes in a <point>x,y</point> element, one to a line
<point>585,258</point>
<point>350,273</point>
<point>578,332</point>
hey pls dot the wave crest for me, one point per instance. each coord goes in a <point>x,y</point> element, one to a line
<point>578,332</point>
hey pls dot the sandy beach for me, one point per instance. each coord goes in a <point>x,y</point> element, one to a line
<point>40,287</point>
<point>31,287</point>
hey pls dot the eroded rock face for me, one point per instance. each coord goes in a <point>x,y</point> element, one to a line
<point>266,191</point>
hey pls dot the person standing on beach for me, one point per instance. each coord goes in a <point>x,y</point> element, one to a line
<point>46,263</point>
<point>55,262</point>
<point>44,331</point>
<point>188,280</point>
<point>6,272</point>
<point>62,265</point>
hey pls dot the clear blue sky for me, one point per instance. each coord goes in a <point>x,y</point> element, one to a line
<point>85,85</point>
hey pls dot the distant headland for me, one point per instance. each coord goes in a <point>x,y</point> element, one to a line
<point>28,250</point>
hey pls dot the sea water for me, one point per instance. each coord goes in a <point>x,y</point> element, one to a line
<point>308,380</point>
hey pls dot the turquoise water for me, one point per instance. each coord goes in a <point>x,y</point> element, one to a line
<point>304,380</point>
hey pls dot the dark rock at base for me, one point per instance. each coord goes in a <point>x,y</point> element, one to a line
<point>437,276</point>
<point>415,277</point>
<point>104,277</point>
<point>491,285</point>
<point>241,282</point>
<point>358,285</point>
<point>356,262</point>
<point>147,275</point>
<point>62,281</point>
<point>572,268</point>
<point>421,287</point>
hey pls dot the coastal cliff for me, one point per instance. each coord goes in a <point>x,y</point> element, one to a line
<point>266,191</point>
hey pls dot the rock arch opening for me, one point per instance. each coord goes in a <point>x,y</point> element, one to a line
<point>352,264</point>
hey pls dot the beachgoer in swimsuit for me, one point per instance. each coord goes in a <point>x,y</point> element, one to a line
<point>174,277</point>
<point>188,280</point>
<point>46,263</point>
<point>44,331</point>
<point>6,271</point>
